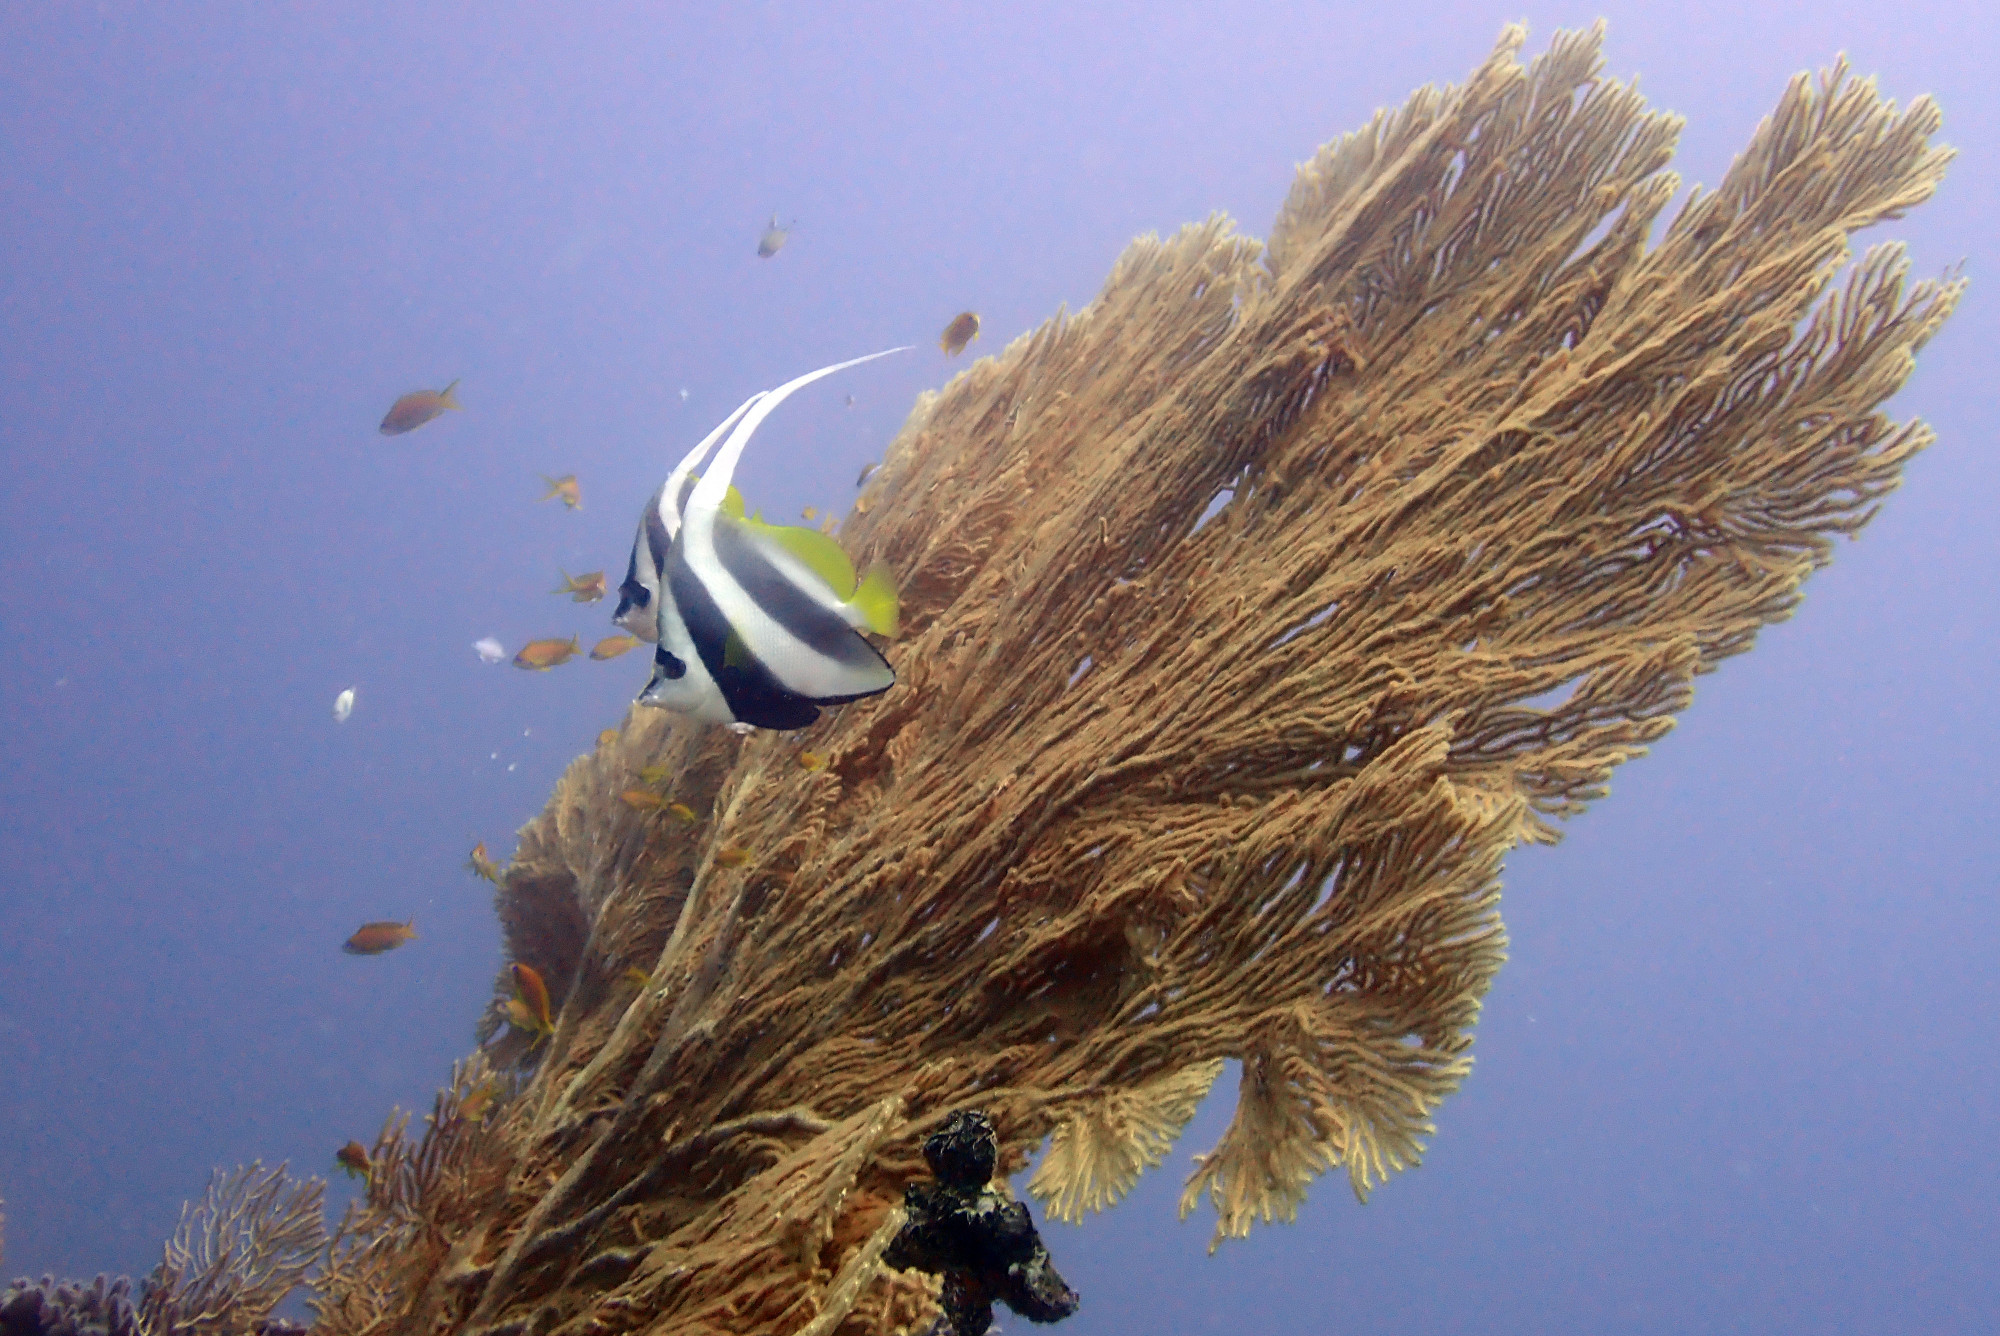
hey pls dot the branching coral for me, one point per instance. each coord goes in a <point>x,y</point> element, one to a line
<point>419,1199</point>
<point>1251,616</point>
<point>70,1308</point>
<point>250,1241</point>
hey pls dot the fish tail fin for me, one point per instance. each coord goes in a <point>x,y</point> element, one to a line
<point>876,601</point>
<point>575,646</point>
<point>568,584</point>
<point>450,400</point>
<point>553,485</point>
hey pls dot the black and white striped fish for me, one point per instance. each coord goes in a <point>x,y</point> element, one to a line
<point>754,624</point>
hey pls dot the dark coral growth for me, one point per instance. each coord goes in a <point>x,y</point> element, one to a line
<point>102,1307</point>
<point>982,1243</point>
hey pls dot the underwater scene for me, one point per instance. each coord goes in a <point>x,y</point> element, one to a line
<point>847,670</point>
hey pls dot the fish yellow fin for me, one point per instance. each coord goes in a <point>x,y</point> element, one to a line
<point>817,551</point>
<point>450,400</point>
<point>876,601</point>
<point>568,584</point>
<point>735,654</point>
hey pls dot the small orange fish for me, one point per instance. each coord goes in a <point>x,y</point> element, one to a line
<point>655,774</point>
<point>963,329</point>
<point>353,1160</point>
<point>612,646</point>
<point>533,995</point>
<point>416,408</point>
<point>609,735</point>
<point>566,488</point>
<point>812,760</point>
<point>641,801</point>
<point>518,1015</point>
<point>478,1100</point>
<point>372,939</point>
<point>683,811</point>
<point>480,865</point>
<point>732,855</point>
<point>809,514</point>
<point>581,588</point>
<point>542,655</point>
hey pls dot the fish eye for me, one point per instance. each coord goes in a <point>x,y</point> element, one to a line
<point>670,664</point>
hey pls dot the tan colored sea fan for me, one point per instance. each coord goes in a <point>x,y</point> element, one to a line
<point>1251,616</point>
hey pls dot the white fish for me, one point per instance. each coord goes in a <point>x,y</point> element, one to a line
<point>684,394</point>
<point>755,624</point>
<point>774,236</point>
<point>489,650</point>
<point>343,705</point>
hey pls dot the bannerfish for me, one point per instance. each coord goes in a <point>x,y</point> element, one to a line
<point>963,329</point>
<point>565,487</point>
<point>417,407</point>
<point>353,1160</point>
<point>612,646</point>
<point>581,588</point>
<point>533,995</point>
<point>773,239</point>
<point>637,592</point>
<point>754,624</point>
<point>541,655</point>
<point>343,706</point>
<point>489,650</point>
<point>372,939</point>
<point>482,865</point>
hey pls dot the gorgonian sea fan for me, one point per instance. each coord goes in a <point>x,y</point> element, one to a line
<point>1251,615</point>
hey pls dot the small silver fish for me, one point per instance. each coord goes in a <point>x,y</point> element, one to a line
<point>343,706</point>
<point>773,239</point>
<point>489,650</point>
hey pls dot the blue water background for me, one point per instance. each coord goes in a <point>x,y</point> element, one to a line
<point>1739,1073</point>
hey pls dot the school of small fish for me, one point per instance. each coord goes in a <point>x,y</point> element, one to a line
<point>752,625</point>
